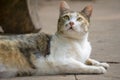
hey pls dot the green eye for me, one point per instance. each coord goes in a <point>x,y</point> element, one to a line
<point>79,19</point>
<point>66,17</point>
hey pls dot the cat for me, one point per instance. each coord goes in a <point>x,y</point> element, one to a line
<point>67,51</point>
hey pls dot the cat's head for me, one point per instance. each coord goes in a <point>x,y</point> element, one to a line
<point>73,23</point>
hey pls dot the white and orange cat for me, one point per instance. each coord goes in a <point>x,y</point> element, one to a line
<point>68,51</point>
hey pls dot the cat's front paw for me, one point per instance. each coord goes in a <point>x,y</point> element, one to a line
<point>98,70</point>
<point>101,70</point>
<point>105,65</point>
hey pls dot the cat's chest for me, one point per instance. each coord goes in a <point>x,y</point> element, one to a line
<point>81,52</point>
<point>62,49</point>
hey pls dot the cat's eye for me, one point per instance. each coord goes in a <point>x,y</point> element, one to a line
<point>79,19</point>
<point>66,17</point>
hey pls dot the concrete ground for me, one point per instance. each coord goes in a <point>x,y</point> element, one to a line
<point>104,36</point>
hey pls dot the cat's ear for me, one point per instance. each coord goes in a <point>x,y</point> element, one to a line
<point>88,10</point>
<point>64,7</point>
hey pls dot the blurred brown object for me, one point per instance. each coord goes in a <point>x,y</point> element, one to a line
<point>15,17</point>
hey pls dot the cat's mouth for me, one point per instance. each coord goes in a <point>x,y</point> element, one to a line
<point>70,28</point>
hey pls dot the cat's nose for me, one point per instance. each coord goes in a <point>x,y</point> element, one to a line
<point>71,23</point>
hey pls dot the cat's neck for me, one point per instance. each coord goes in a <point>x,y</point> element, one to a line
<point>82,39</point>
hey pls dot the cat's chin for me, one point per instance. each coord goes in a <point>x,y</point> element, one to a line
<point>73,31</point>
<point>73,35</point>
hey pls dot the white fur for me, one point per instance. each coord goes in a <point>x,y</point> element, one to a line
<point>67,56</point>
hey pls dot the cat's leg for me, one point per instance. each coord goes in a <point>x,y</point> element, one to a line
<point>74,66</point>
<point>96,63</point>
<point>4,73</point>
<point>7,74</point>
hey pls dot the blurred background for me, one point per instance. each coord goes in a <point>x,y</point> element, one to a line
<point>103,10</point>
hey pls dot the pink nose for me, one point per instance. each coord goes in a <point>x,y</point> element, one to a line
<point>71,23</point>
